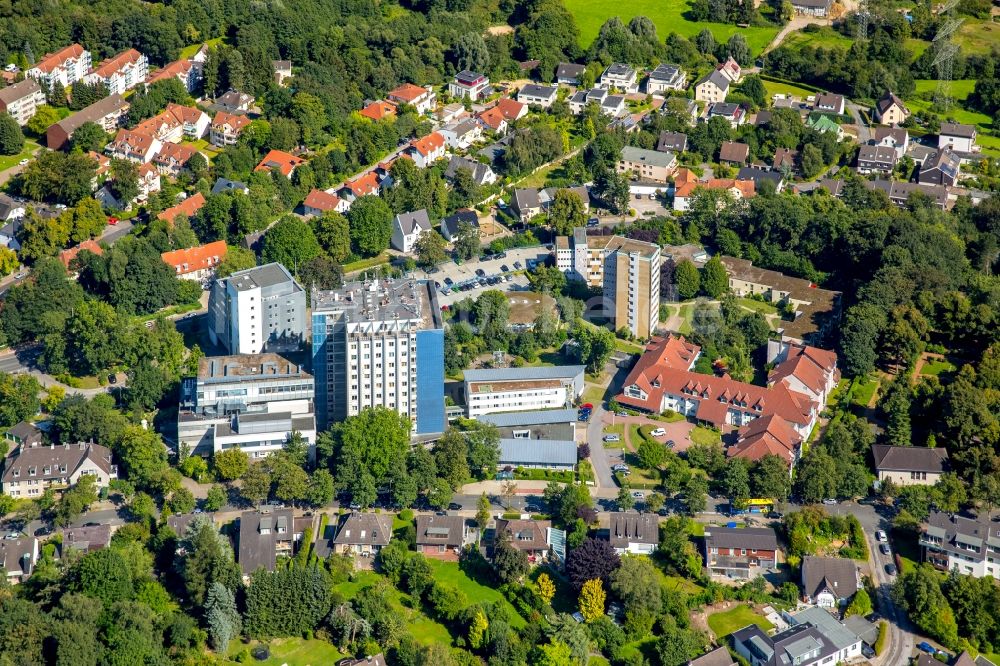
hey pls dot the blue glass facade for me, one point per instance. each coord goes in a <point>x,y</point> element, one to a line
<point>430,381</point>
<point>319,368</point>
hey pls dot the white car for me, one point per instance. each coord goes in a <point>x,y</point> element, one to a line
<point>881,537</point>
<point>23,162</point>
<point>611,438</point>
<point>659,432</point>
<point>638,494</point>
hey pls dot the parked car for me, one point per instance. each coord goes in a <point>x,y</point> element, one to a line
<point>611,438</point>
<point>926,647</point>
<point>454,506</point>
<point>658,432</point>
<point>480,272</point>
<point>881,537</point>
<point>621,413</point>
<point>671,444</point>
<point>448,281</point>
<point>532,508</point>
<point>884,549</point>
<point>830,501</point>
<point>890,569</point>
<point>638,494</point>
<point>502,255</point>
<point>505,268</point>
<point>517,266</point>
<point>620,467</point>
<point>112,379</point>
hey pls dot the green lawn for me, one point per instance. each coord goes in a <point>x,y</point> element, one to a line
<point>362,264</point>
<point>7,161</point>
<point>825,37</point>
<point>916,46</point>
<point>978,36</point>
<point>680,583</point>
<point>686,314</point>
<point>616,429</point>
<point>959,89</point>
<point>449,572</point>
<point>758,306</point>
<point>935,368</point>
<point>668,16</point>
<point>291,651</point>
<point>727,622</point>
<point>189,51</point>
<point>703,435</point>
<point>864,389</point>
<point>627,347</point>
<point>957,113</point>
<point>773,88</point>
<point>593,394</point>
<point>203,146</point>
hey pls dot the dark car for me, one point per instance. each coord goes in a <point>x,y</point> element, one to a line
<point>505,268</point>
<point>448,281</point>
<point>884,548</point>
<point>532,508</point>
<point>480,272</point>
<point>454,506</point>
<point>890,569</point>
<point>502,255</point>
<point>112,379</point>
<point>517,265</point>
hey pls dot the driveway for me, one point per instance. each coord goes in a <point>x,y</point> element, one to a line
<point>679,432</point>
<point>864,133</point>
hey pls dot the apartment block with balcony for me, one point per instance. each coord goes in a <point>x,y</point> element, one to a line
<point>21,100</point>
<point>259,309</point>
<point>250,402</point>
<point>967,544</point>
<point>379,344</point>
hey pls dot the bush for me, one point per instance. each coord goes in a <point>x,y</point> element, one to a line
<point>883,636</point>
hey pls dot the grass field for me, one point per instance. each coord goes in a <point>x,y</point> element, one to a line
<point>959,89</point>
<point>758,306</point>
<point>863,392</point>
<point>825,37</point>
<point>668,16</point>
<point>448,572</point>
<point>916,47</point>
<point>291,651</point>
<point>978,36</point>
<point>189,51</point>
<point>957,113</point>
<point>702,435</point>
<point>686,314</point>
<point>773,88</point>
<point>362,264</point>
<point>7,161</point>
<point>937,367</point>
<point>727,622</point>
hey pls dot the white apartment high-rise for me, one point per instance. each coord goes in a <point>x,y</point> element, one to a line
<point>251,402</point>
<point>258,309</point>
<point>379,344</point>
<point>627,270</point>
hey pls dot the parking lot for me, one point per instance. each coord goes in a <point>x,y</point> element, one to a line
<point>516,261</point>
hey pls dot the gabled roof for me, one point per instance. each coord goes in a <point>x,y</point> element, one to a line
<point>836,575</point>
<point>899,135</point>
<point>437,530</point>
<point>492,117</point>
<point>478,170</point>
<point>19,90</point>
<point>109,67</point>
<point>378,110</point>
<point>829,100</point>
<point>755,538</point>
<point>534,90</point>
<point>67,256</point>
<point>909,458</point>
<point>188,207</point>
<point>732,151</point>
<point>364,529</point>
<point>55,60</point>
<point>174,153</point>
<point>93,113</point>
<point>887,101</point>
<point>428,144</point>
<point>718,657</point>
<point>234,121</point>
<point>175,69</point>
<point>785,157</point>
<point>280,160</point>
<point>452,223</point>
<point>672,141</point>
<point>628,527</point>
<point>525,534</point>
<point>511,109</point>
<point>321,200</point>
<point>878,154</point>
<point>767,435</point>
<point>746,188</point>
<point>716,77</point>
<point>366,183</point>
<point>526,198</point>
<point>132,141</point>
<point>958,129</point>
<point>70,456</point>
<point>807,364</point>
<point>570,70</point>
<point>414,222</point>
<point>197,258</point>
<point>259,532</point>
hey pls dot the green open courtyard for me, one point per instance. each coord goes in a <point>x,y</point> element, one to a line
<point>726,622</point>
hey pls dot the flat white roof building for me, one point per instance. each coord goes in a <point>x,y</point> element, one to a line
<point>522,389</point>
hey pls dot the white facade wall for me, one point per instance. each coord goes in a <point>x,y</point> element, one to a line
<point>525,400</point>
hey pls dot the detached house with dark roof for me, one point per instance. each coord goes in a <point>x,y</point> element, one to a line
<point>740,553</point>
<point>957,137</point>
<point>941,168</point>
<point>734,153</point>
<point>829,582</point>
<point>18,558</point>
<point>909,465</point>
<point>634,533</point>
<point>363,534</point>
<point>263,537</point>
<point>569,74</point>
<point>441,537</point>
<point>890,110</point>
<point>407,228</point>
<point>965,543</point>
<point>533,537</point>
<point>451,225</point>
<point>713,87</point>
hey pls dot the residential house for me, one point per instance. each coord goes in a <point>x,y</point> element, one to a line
<point>965,543</point>
<point>526,204</point>
<point>555,455</point>
<point>730,69</point>
<point>226,129</point>
<point>451,225</point>
<point>620,76</point>
<point>896,138</point>
<point>511,109</point>
<point>633,533</point>
<point>67,66</point>
<point>820,8</point>
<point>427,150</point>
<point>801,645</point>
<point>371,660</point>
<point>481,173</point>
<point>441,537</point>
<point>367,184</point>
<point>149,182</point>
<point>533,94</point>
<point>909,465</point>
<point>318,202</point>
<point>18,558</point>
<point>120,73</point>
<point>187,72</point>
<point>86,539</point>
<point>734,153</point>
<point>196,263</point>
<point>611,105</point>
<point>819,122</point>
<point>718,657</point>
<point>280,161</point>
<point>25,434</point>
<point>234,102</point>
<point>686,183</point>
<point>682,107</point>
<point>423,99</point>
<point>461,134</point>
<point>890,110</point>
<point>379,110</point>
<point>759,176</point>
<point>282,70</point>
<point>67,256</point>
<point>30,470</point>
<point>226,185</point>
<point>785,160</point>
<point>570,74</point>
<point>941,168</point>
<point>876,159</point>
<point>471,85</point>
<point>264,536</point>
<point>133,146</point>
<point>828,102</point>
<point>672,142</point>
<point>734,113</point>
<point>11,209</point>
<point>492,118</point>
<point>407,229</point>
<point>712,88</point>
<point>107,113</point>
<point>646,165</point>
<point>957,137</point>
<point>665,77</point>
<point>829,582</point>
<point>194,122</point>
<point>740,553</point>
<point>548,195</point>
<point>522,389</point>
<point>363,534</point>
<point>899,192</point>
<point>529,536</point>
<point>173,158</point>
<point>189,207</point>
<point>20,100</point>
